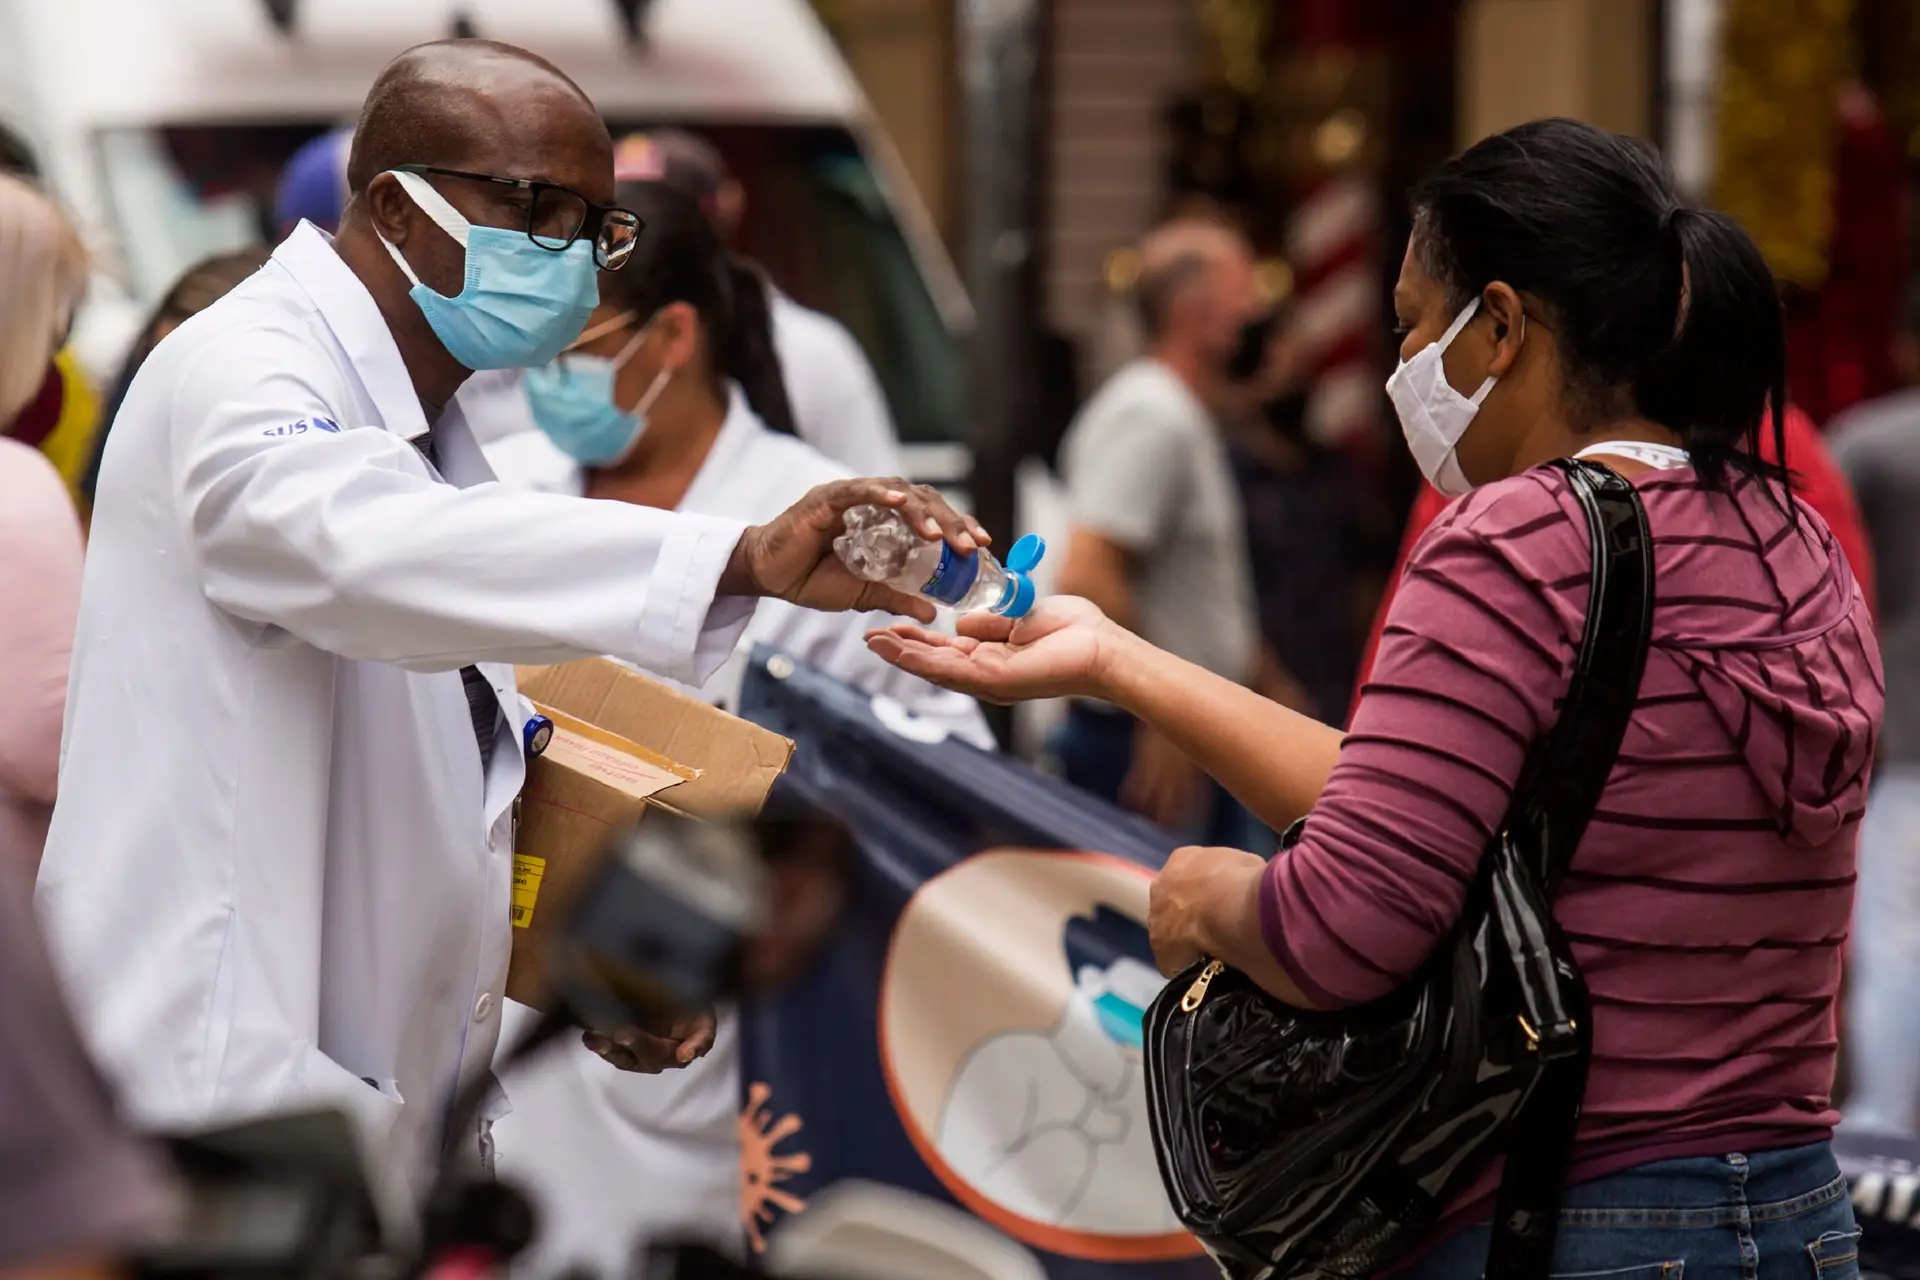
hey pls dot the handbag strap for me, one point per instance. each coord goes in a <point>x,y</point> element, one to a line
<point>1563,782</point>
<point>1559,790</point>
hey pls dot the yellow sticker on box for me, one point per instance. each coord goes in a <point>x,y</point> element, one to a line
<point>527,872</point>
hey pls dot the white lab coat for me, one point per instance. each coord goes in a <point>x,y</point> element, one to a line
<point>611,1156</point>
<point>838,406</point>
<point>276,875</point>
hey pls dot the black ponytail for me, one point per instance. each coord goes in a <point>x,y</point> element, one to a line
<point>746,348</point>
<point>1726,368</point>
<point>679,258</point>
<point>1658,309</point>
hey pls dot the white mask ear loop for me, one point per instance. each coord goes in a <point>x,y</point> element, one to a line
<point>1487,386</point>
<point>1459,322</point>
<point>435,206</point>
<point>652,393</point>
<point>633,345</point>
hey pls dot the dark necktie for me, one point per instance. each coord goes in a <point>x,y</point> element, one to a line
<point>486,712</point>
<point>481,702</point>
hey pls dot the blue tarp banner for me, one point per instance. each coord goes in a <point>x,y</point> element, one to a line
<point>970,1041</point>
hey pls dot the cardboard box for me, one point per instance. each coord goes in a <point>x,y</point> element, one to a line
<point>621,743</point>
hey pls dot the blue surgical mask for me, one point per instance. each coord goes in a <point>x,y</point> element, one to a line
<point>521,304</point>
<point>572,402</point>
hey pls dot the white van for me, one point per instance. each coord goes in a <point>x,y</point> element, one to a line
<point>164,124</point>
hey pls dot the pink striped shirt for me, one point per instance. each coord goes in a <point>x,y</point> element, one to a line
<point>1709,901</point>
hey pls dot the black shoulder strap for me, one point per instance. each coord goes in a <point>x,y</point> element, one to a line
<point>1559,796</point>
<point>1557,800</point>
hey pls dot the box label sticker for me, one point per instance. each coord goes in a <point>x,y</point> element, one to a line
<point>527,872</point>
<point>617,767</point>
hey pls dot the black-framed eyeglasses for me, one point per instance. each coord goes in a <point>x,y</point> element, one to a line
<point>557,216</point>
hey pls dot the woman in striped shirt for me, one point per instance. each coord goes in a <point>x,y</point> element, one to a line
<point>1559,299</point>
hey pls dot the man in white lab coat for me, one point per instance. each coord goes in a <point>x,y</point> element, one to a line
<point>280,868</point>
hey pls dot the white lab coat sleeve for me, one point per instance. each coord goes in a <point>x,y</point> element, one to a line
<point>340,538</point>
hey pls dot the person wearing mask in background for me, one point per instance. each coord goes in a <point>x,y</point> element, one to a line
<point>838,407</point>
<point>1559,300</point>
<point>45,401</point>
<point>673,398</point>
<point>1159,539</point>
<point>204,284</point>
<point>280,867</point>
<point>1877,446</point>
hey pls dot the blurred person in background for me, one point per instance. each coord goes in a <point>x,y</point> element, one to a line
<point>838,407</point>
<point>1559,300</point>
<point>1308,534</point>
<point>204,283</point>
<point>673,398</point>
<point>77,1192</point>
<point>1877,445</point>
<point>1818,482</point>
<point>1158,529</point>
<point>43,274</point>
<point>16,156</point>
<point>45,401</point>
<point>40,564</point>
<point>313,184</point>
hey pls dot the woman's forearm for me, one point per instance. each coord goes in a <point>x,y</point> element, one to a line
<point>1274,761</point>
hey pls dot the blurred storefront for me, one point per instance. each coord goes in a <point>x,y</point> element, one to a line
<point>905,54</point>
<point>1308,121</point>
<point>1801,118</point>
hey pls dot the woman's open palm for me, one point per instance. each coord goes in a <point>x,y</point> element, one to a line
<point>1059,650</point>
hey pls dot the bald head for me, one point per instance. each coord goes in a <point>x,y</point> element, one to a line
<point>1188,261</point>
<point>477,105</point>
<point>477,122</point>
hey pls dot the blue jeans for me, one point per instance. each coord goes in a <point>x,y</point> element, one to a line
<point>1883,986</point>
<point>1772,1215</point>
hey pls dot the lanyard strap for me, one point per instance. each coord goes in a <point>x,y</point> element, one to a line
<point>1661,457</point>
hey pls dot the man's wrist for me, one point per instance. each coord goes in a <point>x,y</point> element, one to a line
<point>738,578</point>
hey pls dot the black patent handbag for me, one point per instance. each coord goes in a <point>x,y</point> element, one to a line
<point>1297,1143</point>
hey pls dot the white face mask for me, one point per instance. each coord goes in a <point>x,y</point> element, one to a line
<point>1433,416</point>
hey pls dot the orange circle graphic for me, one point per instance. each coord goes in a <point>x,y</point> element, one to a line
<point>948,961</point>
